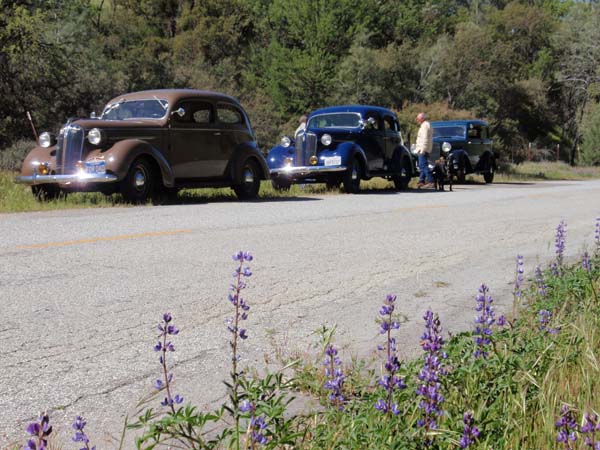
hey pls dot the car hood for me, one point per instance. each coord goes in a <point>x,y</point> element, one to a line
<point>112,124</point>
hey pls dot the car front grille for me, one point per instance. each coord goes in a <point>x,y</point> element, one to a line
<point>306,148</point>
<point>69,149</point>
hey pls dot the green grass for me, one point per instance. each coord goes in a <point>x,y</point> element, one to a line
<point>532,171</point>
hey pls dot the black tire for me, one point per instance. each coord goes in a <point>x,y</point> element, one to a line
<point>488,177</point>
<point>45,192</point>
<point>281,185</point>
<point>352,176</point>
<point>248,185</point>
<point>461,175</point>
<point>401,181</point>
<point>140,182</point>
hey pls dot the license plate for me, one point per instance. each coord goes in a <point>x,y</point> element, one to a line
<point>95,167</point>
<point>332,161</point>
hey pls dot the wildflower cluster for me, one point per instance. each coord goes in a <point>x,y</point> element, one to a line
<point>166,328</point>
<point>80,435</point>
<point>544,317</point>
<point>240,305</point>
<point>256,427</point>
<point>567,427</point>
<point>597,235</point>
<point>39,432</point>
<point>470,431</point>
<point>484,321</point>
<point>430,388</point>
<point>335,376</point>
<point>591,430</point>
<point>586,263</point>
<point>517,290</point>
<point>390,381</point>
<point>559,247</point>
<point>540,282</point>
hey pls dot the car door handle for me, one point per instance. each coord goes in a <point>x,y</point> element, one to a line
<point>218,133</point>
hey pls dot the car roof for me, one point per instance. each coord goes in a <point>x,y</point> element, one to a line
<point>352,108</point>
<point>450,123</point>
<point>174,95</point>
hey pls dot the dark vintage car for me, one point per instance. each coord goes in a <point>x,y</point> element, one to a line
<point>151,142</point>
<point>343,145</point>
<point>467,146</point>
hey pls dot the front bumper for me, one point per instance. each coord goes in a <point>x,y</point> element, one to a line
<point>302,171</point>
<point>77,178</point>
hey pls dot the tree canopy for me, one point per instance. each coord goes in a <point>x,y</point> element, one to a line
<point>530,67</point>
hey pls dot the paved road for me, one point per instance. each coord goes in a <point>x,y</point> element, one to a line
<point>82,290</point>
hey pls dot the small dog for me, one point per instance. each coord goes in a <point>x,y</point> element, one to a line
<point>441,173</point>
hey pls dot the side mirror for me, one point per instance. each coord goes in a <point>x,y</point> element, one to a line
<point>180,112</point>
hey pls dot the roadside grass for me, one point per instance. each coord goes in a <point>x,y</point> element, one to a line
<point>527,381</point>
<point>18,198</point>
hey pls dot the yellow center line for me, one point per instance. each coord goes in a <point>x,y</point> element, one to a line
<point>415,208</point>
<point>103,239</point>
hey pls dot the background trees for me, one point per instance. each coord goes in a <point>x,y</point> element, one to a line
<point>530,67</point>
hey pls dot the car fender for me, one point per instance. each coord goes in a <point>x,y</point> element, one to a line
<point>121,155</point>
<point>278,154</point>
<point>461,155</point>
<point>349,150</point>
<point>38,154</point>
<point>241,153</point>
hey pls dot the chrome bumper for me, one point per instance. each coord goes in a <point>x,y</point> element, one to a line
<point>82,178</point>
<point>305,170</point>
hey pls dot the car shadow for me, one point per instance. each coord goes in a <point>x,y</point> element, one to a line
<point>199,199</point>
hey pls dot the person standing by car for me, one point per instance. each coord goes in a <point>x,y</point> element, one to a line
<point>302,127</point>
<point>423,150</point>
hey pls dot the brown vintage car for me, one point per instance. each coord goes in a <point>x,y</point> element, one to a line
<point>148,143</point>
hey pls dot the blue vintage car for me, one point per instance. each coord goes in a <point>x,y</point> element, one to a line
<point>467,146</point>
<point>343,145</point>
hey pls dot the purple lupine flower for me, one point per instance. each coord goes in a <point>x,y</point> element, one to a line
<point>390,381</point>
<point>540,282</point>
<point>163,346</point>
<point>591,430</point>
<point>567,427</point>
<point>257,424</point>
<point>559,243</point>
<point>544,317</point>
<point>517,291</point>
<point>335,376</point>
<point>80,435</point>
<point>430,387</point>
<point>39,432</point>
<point>470,431</point>
<point>484,321</point>
<point>586,263</point>
<point>597,234</point>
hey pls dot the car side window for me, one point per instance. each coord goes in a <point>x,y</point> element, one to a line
<point>196,113</point>
<point>485,133</point>
<point>375,125</point>
<point>229,114</point>
<point>390,124</point>
<point>474,131</point>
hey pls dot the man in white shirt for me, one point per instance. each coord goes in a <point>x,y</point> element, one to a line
<point>424,146</point>
<point>301,128</point>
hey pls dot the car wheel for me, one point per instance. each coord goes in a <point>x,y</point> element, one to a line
<point>281,185</point>
<point>461,176</point>
<point>139,183</point>
<point>352,176</point>
<point>249,184</point>
<point>43,192</point>
<point>488,176</point>
<point>401,181</point>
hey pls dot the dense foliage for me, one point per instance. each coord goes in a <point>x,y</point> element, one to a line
<point>530,67</point>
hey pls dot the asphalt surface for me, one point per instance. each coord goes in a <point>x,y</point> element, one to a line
<point>81,291</point>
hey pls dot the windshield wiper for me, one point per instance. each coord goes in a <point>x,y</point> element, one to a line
<point>164,105</point>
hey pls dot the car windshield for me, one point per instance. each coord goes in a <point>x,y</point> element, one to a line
<point>335,120</point>
<point>458,131</point>
<point>136,109</point>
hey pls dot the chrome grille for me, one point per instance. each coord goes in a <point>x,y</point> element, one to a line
<point>69,149</point>
<point>310,147</point>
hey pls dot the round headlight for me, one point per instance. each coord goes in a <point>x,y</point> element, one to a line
<point>446,147</point>
<point>95,136</point>
<point>45,139</point>
<point>286,141</point>
<point>326,139</point>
